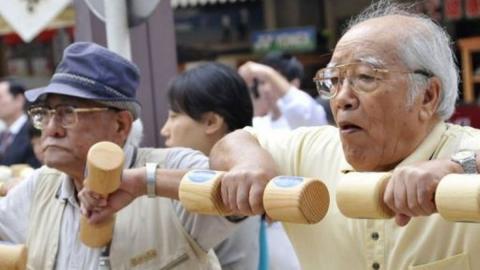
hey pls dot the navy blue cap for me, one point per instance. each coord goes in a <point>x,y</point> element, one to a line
<point>92,72</point>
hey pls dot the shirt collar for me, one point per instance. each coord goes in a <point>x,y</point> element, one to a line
<point>18,124</point>
<point>423,152</point>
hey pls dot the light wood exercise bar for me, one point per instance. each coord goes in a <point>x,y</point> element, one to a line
<point>104,168</point>
<point>360,195</point>
<point>286,198</point>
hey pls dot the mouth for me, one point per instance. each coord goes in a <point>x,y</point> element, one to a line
<point>51,146</point>
<point>348,127</point>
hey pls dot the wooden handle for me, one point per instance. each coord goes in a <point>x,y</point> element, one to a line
<point>13,257</point>
<point>360,195</point>
<point>296,199</point>
<point>199,192</point>
<point>291,199</point>
<point>18,169</point>
<point>104,169</point>
<point>458,197</point>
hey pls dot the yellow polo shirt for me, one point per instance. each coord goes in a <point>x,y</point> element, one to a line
<point>338,242</point>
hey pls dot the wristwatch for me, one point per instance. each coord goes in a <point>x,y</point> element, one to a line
<point>151,179</point>
<point>466,159</point>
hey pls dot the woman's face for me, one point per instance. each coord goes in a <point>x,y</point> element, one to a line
<point>183,131</point>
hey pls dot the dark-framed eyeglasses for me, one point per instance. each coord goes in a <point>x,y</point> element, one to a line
<point>65,115</point>
<point>362,77</point>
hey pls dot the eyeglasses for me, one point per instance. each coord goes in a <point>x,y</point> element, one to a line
<point>362,77</point>
<point>65,115</point>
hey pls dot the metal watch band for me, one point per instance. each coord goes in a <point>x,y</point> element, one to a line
<point>466,159</point>
<point>151,179</point>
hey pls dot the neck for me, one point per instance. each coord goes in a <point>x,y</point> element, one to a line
<point>77,179</point>
<point>10,120</point>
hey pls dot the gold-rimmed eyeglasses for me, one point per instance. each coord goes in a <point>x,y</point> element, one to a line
<point>65,115</point>
<point>362,77</point>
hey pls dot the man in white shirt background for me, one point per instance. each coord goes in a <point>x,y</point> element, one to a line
<point>278,101</point>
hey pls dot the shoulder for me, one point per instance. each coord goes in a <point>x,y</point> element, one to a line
<point>174,158</point>
<point>185,158</point>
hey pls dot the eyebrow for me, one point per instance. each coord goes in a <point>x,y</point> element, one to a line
<point>374,61</point>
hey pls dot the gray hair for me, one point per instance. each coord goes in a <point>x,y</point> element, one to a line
<point>426,48</point>
<point>135,136</point>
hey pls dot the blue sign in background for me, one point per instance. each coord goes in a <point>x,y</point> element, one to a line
<point>289,39</point>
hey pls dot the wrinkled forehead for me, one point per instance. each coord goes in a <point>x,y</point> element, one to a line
<point>376,52</point>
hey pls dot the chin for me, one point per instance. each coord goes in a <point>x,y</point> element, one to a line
<point>359,159</point>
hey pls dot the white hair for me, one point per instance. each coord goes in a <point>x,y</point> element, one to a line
<point>427,47</point>
<point>135,136</point>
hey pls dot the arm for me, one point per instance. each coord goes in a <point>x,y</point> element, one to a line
<point>207,231</point>
<point>251,70</point>
<point>14,211</point>
<point>249,169</point>
<point>133,185</point>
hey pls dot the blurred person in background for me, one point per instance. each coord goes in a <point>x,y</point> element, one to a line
<point>15,146</point>
<point>206,103</point>
<point>277,99</point>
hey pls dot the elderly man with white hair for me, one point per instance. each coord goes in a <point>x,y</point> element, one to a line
<point>392,83</point>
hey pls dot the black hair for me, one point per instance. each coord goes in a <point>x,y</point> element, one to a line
<point>212,87</point>
<point>15,87</point>
<point>285,63</point>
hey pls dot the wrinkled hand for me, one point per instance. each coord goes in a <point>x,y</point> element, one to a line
<point>411,190</point>
<point>97,207</point>
<point>242,190</point>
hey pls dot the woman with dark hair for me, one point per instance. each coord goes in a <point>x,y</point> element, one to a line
<point>206,103</point>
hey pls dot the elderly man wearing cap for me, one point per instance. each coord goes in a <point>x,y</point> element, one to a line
<point>91,98</point>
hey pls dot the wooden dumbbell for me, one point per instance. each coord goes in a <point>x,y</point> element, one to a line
<point>104,168</point>
<point>360,195</point>
<point>13,257</point>
<point>286,198</point>
<point>20,170</point>
<point>457,197</point>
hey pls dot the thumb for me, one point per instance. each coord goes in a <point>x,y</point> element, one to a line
<point>402,219</point>
<point>100,216</point>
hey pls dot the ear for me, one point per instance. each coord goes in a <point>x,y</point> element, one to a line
<point>430,100</point>
<point>213,122</point>
<point>124,120</point>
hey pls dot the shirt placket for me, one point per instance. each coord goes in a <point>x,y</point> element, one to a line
<point>375,244</point>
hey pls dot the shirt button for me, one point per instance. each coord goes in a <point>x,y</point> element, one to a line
<point>376,266</point>
<point>375,235</point>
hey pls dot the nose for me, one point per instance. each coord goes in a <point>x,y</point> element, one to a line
<point>53,128</point>
<point>346,98</point>
<point>165,129</point>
